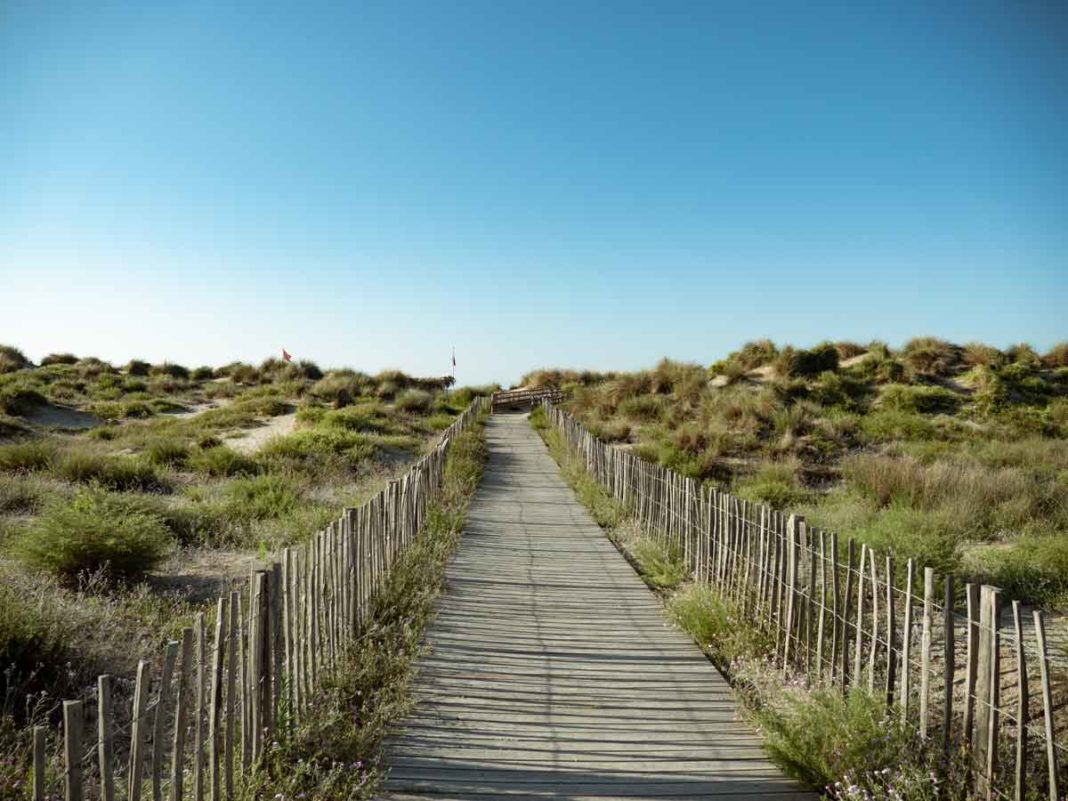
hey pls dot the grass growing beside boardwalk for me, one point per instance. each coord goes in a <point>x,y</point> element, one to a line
<point>842,745</point>
<point>333,754</point>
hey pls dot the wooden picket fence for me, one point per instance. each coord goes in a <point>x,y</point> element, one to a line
<point>842,615</point>
<point>203,714</point>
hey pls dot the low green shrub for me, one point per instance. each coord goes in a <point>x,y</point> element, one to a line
<point>124,473</point>
<point>138,367</point>
<point>1033,569</point>
<point>919,400</point>
<point>219,460</point>
<point>95,532</point>
<point>170,370</point>
<point>260,498</point>
<point>774,483</point>
<point>793,362</point>
<point>717,626</point>
<point>848,745</point>
<point>202,374</point>
<point>19,494</point>
<point>12,359</point>
<point>644,408</point>
<point>59,358</point>
<point>931,356</point>
<point>167,453</point>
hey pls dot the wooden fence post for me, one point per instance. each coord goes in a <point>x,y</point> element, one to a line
<point>105,744</point>
<point>185,677</point>
<point>972,662</point>
<point>1047,704</point>
<point>231,685</point>
<point>949,667</point>
<point>906,640</point>
<point>925,648</point>
<point>215,701</point>
<point>1021,703</point>
<point>137,736</point>
<point>170,654</point>
<point>40,734</point>
<point>72,749</point>
<point>891,657</point>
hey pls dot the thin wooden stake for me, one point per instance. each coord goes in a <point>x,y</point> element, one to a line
<point>906,641</point>
<point>170,654</point>
<point>925,648</point>
<point>137,735</point>
<point>1047,704</point>
<point>231,687</point>
<point>181,721</point>
<point>949,666</point>
<point>105,744</point>
<point>1021,705</point>
<point>215,701</point>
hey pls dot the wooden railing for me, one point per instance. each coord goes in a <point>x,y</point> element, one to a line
<point>974,679</point>
<point>203,713</point>
<point>515,399</point>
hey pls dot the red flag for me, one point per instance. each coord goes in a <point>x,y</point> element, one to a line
<point>286,356</point>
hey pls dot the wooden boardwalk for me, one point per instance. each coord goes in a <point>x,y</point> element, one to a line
<point>553,672</point>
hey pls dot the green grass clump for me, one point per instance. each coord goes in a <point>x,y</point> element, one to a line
<point>931,356</point>
<point>96,532</point>
<point>415,401</point>
<point>661,566</point>
<point>12,359</point>
<point>260,498</point>
<point>774,483</point>
<point>28,455</point>
<point>20,494</point>
<point>123,473</point>
<point>1034,568</point>
<point>919,400</point>
<point>302,446</point>
<point>798,362</point>
<point>219,460</point>
<point>717,626</point>
<point>168,453</point>
<point>31,639</point>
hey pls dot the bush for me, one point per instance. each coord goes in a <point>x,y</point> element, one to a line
<point>774,483</point>
<point>137,367</point>
<point>96,532</point>
<point>806,363</point>
<point>19,494</point>
<point>167,452</point>
<point>931,356</point>
<point>260,498</point>
<point>920,400</point>
<point>124,473</point>
<point>202,374</point>
<point>218,460</point>
<point>33,454</point>
<point>415,401</point>
<point>1034,569</point>
<point>169,370</point>
<point>59,358</point>
<point>644,408</point>
<point>239,373</point>
<point>823,736</point>
<point>717,626</point>
<point>12,359</point>
<point>32,636</point>
<point>976,355</point>
<point>1057,356</point>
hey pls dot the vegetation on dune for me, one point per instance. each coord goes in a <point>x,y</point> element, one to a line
<point>97,526</point>
<point>843,745</point>
<point>954,455</point>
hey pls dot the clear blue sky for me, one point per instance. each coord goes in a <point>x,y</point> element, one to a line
<point>538,183</point>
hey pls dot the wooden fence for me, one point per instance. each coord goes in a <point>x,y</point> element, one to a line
<point>204,713</point>
<point>525,398</point>
<point>974,680</point>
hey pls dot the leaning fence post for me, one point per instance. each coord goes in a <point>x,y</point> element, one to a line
<point>137,736</point>
<point>1047,704</point>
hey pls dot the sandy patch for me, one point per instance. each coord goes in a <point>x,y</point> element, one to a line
<point>250,440</point>
<point>50,415</point>
<point>199,408</point>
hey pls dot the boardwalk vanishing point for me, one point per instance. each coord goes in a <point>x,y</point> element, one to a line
<point>552,671</point>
